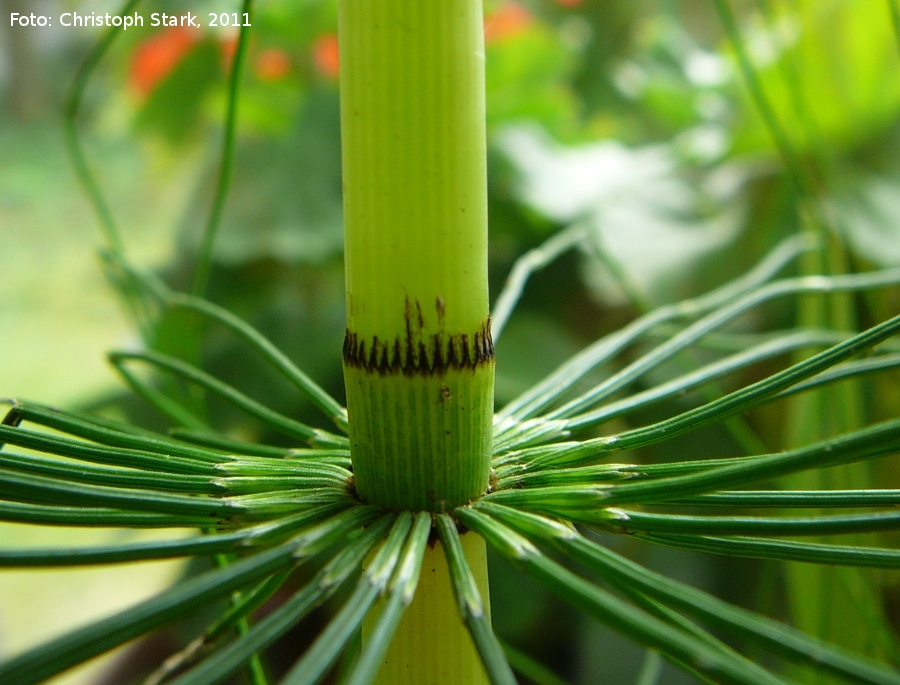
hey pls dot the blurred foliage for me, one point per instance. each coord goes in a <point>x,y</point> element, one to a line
<point>629,118</point>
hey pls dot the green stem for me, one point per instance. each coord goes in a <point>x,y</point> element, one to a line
<point>431,645</point>
<point>204,260</point>
<point>73,140</point>
<point>895,18</point>
<point>418,356</point>
<point>795,168</point>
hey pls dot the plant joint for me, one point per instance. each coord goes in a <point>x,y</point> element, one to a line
<point>417,353</point>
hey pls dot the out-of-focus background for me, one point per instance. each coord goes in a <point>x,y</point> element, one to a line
<point>630,120</point>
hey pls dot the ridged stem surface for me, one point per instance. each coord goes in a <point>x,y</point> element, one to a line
<point>431,632</point>
<point>418,358</point>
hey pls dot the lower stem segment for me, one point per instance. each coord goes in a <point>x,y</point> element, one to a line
<point>419,442</point>
<point>432,645</point>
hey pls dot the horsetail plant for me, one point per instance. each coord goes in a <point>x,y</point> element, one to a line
<point>418,473</point>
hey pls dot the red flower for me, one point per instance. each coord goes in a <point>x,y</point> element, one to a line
<point>157,56</point>
<point>272,64</point>
<point>508,20</point>
<point>325,55</point>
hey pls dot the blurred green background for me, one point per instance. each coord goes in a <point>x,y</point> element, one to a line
<point>629,119</point>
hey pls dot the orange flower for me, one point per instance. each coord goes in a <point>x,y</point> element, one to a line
<point>272,64</point>
<point>508,20</point>
<point>325,55</point>
<point>228,45</point>
<point>157,56</point>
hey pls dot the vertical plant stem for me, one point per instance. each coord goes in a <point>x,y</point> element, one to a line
<point>430,645</point>
<point>73,140</point>
<point>204,259</point>
<point>418,356</point>
<point>894,9</point>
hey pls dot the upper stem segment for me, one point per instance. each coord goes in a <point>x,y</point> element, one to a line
<point>418,358</point>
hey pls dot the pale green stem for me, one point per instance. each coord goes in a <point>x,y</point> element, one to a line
<point>418,355</point>
<point>430,634</point>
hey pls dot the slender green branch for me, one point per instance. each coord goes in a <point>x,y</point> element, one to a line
<point>22,512</point>
<point>783,550</point>
<point>547,391</point>
<point>527,264</point>
<point>205,255</point>
<point>737,426</point>
<point>266,631</point>
<point>845,371</point>
<point>327,404</point>
<point>117,456</point>
<point>201,646</point>
<point>328,645</point>
<point>872,442</point>
<point>706,374</point>
<point>283,424</point>
<point>651,669</point>
<point>785,147</point>
<point>400,595</point>
<point>164,404</point>
<point>114,476</point>
<point>720,665</point>
<point>73,140</point>
<point>749,625</point>
<point>527,433</point>
<point>797,498</point>
<point>264,534</point>
<point>747,397</point>
<point>80,645</point>
<point>678,620</point>
<point>472,607</point>
<point>631,521</point>
<point>229,445</point>
<point>91,430</point>
<point>523,663</point>
<point>794,286</point>
<point>28,488</point>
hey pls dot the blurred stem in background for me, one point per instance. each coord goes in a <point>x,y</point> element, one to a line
<point>26,90</point>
